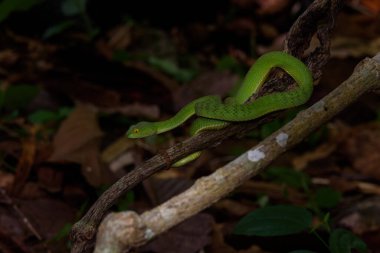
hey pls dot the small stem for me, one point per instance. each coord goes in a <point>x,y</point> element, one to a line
<point>314,232</point>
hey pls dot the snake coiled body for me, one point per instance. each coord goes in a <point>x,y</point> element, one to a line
<point>215,114</point>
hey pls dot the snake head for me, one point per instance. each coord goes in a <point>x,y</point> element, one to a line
<point>141,130</point>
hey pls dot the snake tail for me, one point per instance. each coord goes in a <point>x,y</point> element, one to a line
<point>199,125</point>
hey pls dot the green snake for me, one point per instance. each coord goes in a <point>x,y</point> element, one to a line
<point>214,114</point>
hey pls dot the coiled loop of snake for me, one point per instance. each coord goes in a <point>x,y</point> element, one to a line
<point>214,114</point>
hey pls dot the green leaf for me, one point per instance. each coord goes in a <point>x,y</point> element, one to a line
<point>63,232</point>
<point>42,116</point>
<point>269,128</point>
<point>171,68</point>
<point>63,112</point>
<point>274,221</point>
<point>19,96</point>
<point>7,7</point>
<point>73,7</point>
<point>230,63</point>
<point>46,116</point>
<point>343,241</point>
<point>125,201</point>
<point>227,62</point>
<point>122,55</point>
<point>327,197</point>
<point>58,28</point>
<point>378,115</point>
<point>288,176</point>
<point>2,95</point>
<point>10,116</point>
<point>317,136</point>
<point>263,200</point>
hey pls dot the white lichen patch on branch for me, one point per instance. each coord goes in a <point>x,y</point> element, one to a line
<point>378,74</point>
<point>282,139</point>
<point>256,154</point>
<point>168,213</point>
<point>149,234</point>
<point>219,178</point>
<point>319,106</point>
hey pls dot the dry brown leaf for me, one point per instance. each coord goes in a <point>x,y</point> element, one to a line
<point>6,179</point>
<point>362,216</point>
<point>362,149</point>
<point>232,207</point>
<point>371,7</point>
<point>160,190</point>
<point>150,112</point>
<point>359,145</point>
<point>10,222</point>
<point>244,3</point>
<point>356,22</point>
<point>218,245</point>
<point>10,147</point>
<point>47,215</point>
<point>323,151</point>
<point>25,162</point>
<point>253,249</point>
<point>120,37</point>
<point>343,47</point>
<point>116,149</point>
<point>339,183</point>
<point>78,140</point>
<point>274,191</point>
<point>32,190</point>
<point>368,188</point>
<point>337,134</point>
<point>241,25</point>
<point>8,57</point>
<point>345,185</point>
<point>50,179</point>
<point>9,244</point>
<point>267,7</point>
<point>190,236</point>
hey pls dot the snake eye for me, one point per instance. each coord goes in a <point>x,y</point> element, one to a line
<point>136,130</point>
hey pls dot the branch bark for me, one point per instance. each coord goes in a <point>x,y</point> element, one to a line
<point>124,230</point>
<point>317,19</point>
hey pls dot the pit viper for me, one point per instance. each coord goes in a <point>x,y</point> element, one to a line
<point>213,113</point>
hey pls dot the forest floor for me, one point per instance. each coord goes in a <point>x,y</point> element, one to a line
<point>74,77</point>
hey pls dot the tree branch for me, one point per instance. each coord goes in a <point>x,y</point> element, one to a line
<point>124,230</point>
<point>317,19</point>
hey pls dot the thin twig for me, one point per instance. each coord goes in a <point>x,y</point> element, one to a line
<point>19,213</point>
